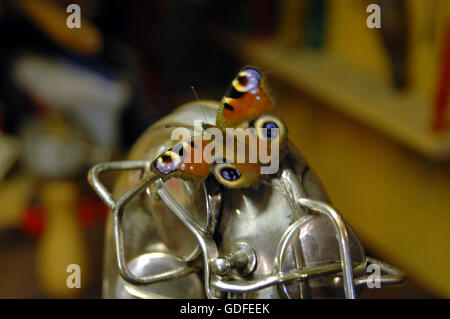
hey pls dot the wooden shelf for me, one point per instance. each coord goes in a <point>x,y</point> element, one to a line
<point>403,116</point>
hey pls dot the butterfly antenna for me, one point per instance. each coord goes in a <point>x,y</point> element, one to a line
<point>194,91</point>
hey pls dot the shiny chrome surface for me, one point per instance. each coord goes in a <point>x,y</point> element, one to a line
<point>189,286</point>
<point>282,239</point>
<point>241,260</point>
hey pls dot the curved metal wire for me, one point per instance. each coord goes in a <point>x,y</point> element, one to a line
<point>281,249</point>
<point>117,209</point>
<point>206,243</point>
<point>342,238</point>
<point>389,275</point>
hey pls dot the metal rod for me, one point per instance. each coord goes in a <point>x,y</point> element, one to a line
<point>97,185</point>
<point>206,243</point>
<point>342,238</point>
<point>117,207</point>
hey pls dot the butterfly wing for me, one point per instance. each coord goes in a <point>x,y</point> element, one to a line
<point>247,151</point>
<point>248,96</point>
<point>237,175</point>
<point>185,160</point>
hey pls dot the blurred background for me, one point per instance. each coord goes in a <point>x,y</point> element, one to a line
<point>367,107</point>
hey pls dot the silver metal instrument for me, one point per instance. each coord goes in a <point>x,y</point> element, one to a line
<point>195,239</point>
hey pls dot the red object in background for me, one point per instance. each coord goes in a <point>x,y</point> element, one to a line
<point>87,213</point>
<point>91,211</point>
<point>102,210</point>
<point>33,221</point>
<point>443,91</point>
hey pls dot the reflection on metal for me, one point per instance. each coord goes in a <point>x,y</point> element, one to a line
<point>281,239</point>
<point>188,286</point>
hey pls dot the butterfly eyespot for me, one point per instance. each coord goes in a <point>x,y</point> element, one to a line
<point>242,79</point>
<point>166,159</point>
<point>271,130</point>
<point>247,80</point>
<point>230,174</point>
<point>168,162</point>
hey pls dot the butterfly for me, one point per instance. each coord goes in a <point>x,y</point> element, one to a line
<point>242,109</point>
